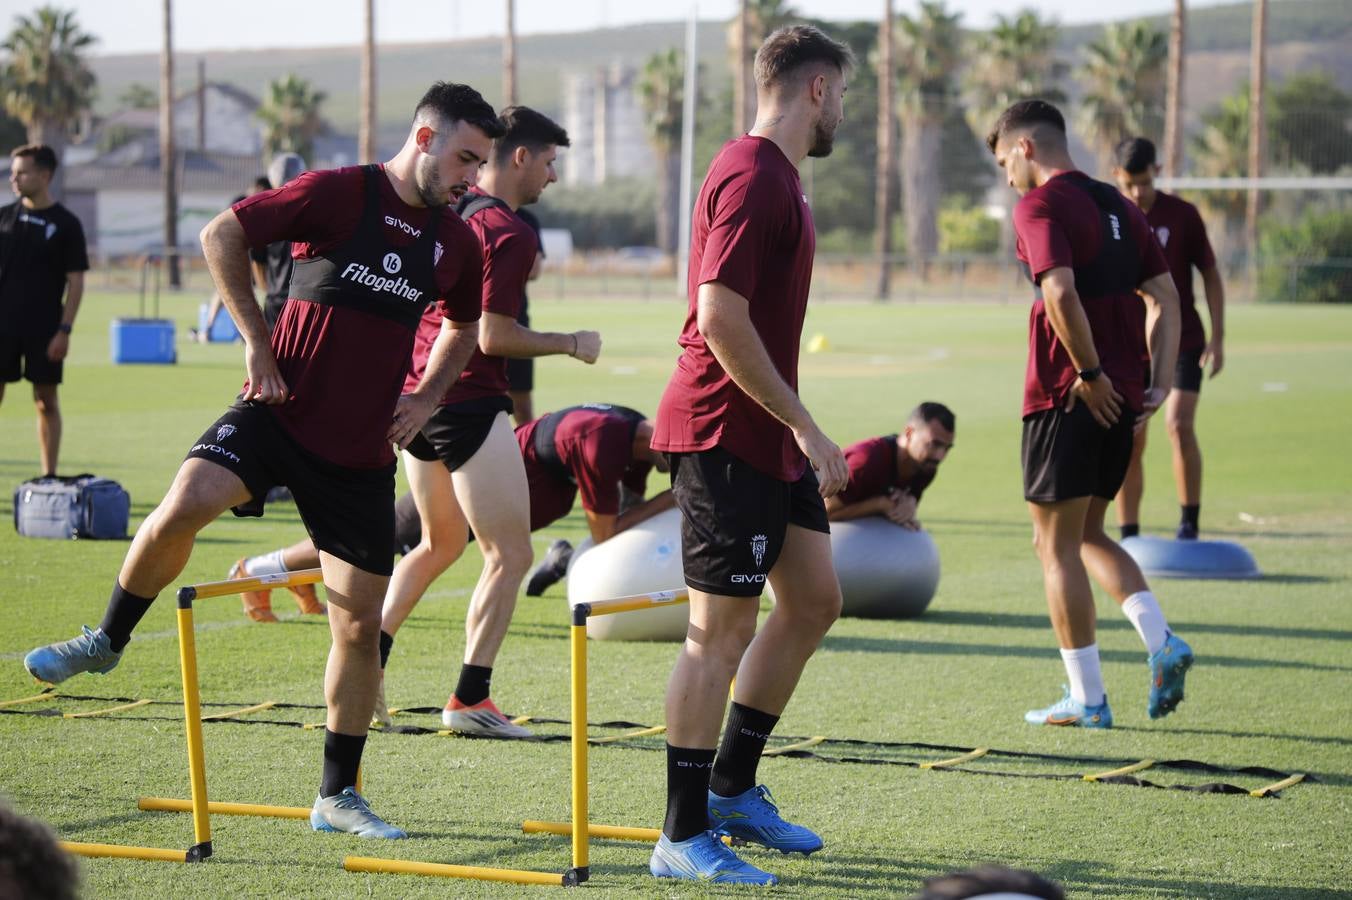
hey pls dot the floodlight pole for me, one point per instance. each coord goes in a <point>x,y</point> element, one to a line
<point>687,145</point>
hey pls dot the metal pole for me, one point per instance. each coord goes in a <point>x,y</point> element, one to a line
<point>687,145</point>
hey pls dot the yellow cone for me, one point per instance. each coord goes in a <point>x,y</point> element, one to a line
<point>818,344</point>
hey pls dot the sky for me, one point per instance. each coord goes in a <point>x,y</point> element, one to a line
<point>133,26</point>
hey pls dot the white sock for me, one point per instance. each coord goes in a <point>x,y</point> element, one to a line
<point>1144,612</point>
<point>267,564</point>
<point>1086,678</point>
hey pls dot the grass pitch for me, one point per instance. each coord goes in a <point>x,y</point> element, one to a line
<point>1270,687</point>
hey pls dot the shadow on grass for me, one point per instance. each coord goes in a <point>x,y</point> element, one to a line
<point>1262,735</point>
<point>937,648</point>
<point>1086,878</point>
<point>1042,623</point>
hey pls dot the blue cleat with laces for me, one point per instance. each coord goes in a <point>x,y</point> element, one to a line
<point>1069,712</point>
<point>704,857</point>
<point>90,652</point>
<point>349,812</point>
<point>1168,668</point>
<point>752,817</point>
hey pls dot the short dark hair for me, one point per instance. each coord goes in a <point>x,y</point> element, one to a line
<point>1022,115</point>
<point>261,183</point>
<point>1135,155</point>
<point>31,862</point>
<point>929,411</point>
<point>460,103</point>
<point>989,879</point>
<point>524,127</point>
<point>41,154</point>
<point>788,49</point>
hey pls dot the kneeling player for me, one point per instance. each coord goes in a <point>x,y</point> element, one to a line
<point>888,475</point>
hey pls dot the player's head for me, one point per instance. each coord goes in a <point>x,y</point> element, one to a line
<point>928,435</point>
<point>990,881</point>
<point>1028,135</point>
<point>285,167</point>
<point>32,864</point>
<point>801,64</point>
<point>527,149</point>
<point>453,133</point>
<point>30,170</point>
<point>261,184</point>
<point>1135,170</point>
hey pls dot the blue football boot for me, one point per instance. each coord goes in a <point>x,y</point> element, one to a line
<point>704,857</point>
<point>1168,668</point>
<point>1071,713</point>
<point>90,652</point>
<point>753,817</point>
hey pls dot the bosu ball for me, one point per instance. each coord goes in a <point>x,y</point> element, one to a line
<point>1191,559</point>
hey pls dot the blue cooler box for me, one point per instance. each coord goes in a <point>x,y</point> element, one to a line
<point>142,341</point>
<point>223,331</point>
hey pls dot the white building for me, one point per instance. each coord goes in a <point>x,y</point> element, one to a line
<point>604,120</point>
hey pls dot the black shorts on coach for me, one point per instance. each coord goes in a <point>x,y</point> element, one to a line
<point>456,431</point>
<point>1188,371</point>
<point>25,356</point>
<point>734,519</point>
<point>1068,454</point>
<point>349,512</point>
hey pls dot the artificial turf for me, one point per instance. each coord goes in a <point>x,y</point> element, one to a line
<point>1270,688</point>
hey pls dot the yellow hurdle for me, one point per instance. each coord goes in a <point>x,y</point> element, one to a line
<point>118,851</point>
<point>223,808</point>
<point>240,585</point>
<point>610,832</point>
<point>1125,770</point>
<point>482,873</point>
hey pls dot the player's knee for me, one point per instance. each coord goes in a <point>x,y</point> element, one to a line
<point>514,555</point>
<point>357,629</point>
<point>46,404</point>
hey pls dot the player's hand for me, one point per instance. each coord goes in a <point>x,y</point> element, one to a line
<point>1153,399</point>
<point>263,382</point>
<point>1101,398</point>
<point>410,415</point>
<point>826,460</point>
<point>58,347</point>
<point>588,346</point>
<point>1214,354</point>
<point>901,511</point>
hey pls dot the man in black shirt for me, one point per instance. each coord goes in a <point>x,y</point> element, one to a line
<point>42,259</point>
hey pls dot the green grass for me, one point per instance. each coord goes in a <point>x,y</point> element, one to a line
<point>1270,688</point>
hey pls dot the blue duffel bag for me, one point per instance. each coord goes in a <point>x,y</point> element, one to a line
<point>78,506</point>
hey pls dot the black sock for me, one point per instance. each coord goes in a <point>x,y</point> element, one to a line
<point>124,611</point>
<point>738,756</point>
<point>1131,530</point>
<point>1191,514</point>
<point>688,773</point>
<point>386,645</point>
<point>342,759</point>
<point>472,687</point>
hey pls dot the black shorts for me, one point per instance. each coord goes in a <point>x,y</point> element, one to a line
<point>457,431</point>
<point>734,519</point>
<point>25,356</point>
<point>1188,371</point>
<point>1068,455</point>
<point>349,512</point>
<point>521,372</point>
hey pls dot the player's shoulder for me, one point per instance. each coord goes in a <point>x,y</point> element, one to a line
<point>344,177</point>
<point>1178,206</point>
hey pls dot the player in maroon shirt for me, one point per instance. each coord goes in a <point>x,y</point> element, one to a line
<point>464,468</point>
<point>749,468</point>
<point>889,474</point>
<point>1182,236</point>
<point>321,402</point>
<point>1090,255</point>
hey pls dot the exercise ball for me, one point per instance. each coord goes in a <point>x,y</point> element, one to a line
<point>1168,558</point>
<point>885,571</point>
<point>639,560</point>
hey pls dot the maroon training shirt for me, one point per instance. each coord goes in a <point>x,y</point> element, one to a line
<point>753,233</point>
<point>873,471</point>
<point>1058,225</point>
<point>344,367</point>
<point>508,246</point>
<point>598,450</point>
<point>1182,235</point>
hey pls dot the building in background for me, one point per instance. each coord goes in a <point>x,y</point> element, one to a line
<point>605,124</point>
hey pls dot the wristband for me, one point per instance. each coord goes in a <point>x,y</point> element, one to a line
<point>574,353</point>
<point>1090,374</point>
<point>64,328</point>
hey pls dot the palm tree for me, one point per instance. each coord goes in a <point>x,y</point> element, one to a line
<point>755,20</point>
<point>1124,77</point>
<point>1173,104</point>
<point>928,50</point>
<point>291,118</point>
<point>886,160</point>
<point>45,81</point>
<point>1015,60</point>
<point>661,90</point>
<point>1219,150</point>
<point>366,128</point>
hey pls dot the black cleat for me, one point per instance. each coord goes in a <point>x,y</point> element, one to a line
<point>551,569</point>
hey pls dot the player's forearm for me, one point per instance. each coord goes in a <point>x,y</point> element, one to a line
<point>503,336</point>
<point>74,294</point>
<point>728,331</point>
<point>645,511</point>
<point>1068,321</point>
<point>1163,327</point>
<point>226,249</point>
<point>836,511</point>
<point>447,358</point>
<point>1215,301</point>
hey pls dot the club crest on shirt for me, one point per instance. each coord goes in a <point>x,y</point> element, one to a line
<point>224,432</point>
<point>758,548</point>
<point>437,250</point>
<point>392,263</point>
<point>1163,234</point>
